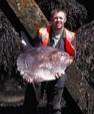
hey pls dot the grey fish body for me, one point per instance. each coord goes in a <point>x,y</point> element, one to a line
<point>42,63</point>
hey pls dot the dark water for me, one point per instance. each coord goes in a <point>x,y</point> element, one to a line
<point>42,110</point>
<point>70,107</point>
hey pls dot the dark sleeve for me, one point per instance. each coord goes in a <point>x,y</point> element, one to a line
<point>36,42</point>
<point>30,42</point>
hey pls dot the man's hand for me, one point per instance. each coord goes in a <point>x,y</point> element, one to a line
<point>29,80</point>
<point>58,75</point>
<point>71,60</point>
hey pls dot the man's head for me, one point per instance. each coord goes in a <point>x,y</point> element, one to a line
<point>58,19</point>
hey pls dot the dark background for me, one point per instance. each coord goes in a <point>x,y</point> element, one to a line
<point>89,5</point>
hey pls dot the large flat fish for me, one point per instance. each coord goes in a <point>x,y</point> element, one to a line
<point>42,63</point>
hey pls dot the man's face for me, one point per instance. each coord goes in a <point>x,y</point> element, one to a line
<point>58,20</point>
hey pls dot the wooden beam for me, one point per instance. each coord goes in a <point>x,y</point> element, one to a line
<point>29,14</point>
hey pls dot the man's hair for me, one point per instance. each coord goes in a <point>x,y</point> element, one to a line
<point>56,11</point>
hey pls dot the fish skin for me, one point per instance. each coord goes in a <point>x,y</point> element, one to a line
<point>42,63</point>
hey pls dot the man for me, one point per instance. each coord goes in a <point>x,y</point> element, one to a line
<point>57,36</point>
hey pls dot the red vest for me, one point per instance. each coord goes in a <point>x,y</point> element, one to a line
<point>44,34</point>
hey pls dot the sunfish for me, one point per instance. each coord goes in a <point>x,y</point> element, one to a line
<point>42,63</point>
